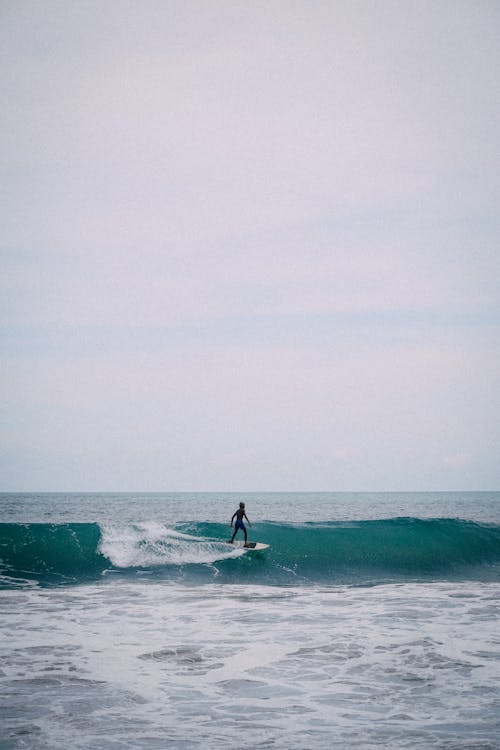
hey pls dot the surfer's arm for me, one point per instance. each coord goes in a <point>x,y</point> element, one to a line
<point>232,519</point>
<point>248,522</point>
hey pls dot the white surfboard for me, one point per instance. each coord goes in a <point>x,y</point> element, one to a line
<point>251,546</point>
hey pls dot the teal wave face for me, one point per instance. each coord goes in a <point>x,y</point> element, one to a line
<point>51,552</point>
<point>358,552</point>
<point>364,551</point>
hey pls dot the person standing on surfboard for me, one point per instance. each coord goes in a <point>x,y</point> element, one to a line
<point>240,515</point>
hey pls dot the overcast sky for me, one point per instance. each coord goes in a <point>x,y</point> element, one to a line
<point>250,245</point>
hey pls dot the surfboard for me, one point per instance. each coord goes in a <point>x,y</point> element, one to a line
<point>251,546</point>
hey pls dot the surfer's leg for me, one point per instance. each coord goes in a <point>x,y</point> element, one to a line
<point>238,525</point>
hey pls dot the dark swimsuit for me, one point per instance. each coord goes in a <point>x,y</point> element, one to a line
<point>239,520</point>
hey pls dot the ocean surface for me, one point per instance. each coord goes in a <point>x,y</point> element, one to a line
<point>372,621</point>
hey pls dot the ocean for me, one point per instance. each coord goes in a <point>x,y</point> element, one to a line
<point>128,623</point>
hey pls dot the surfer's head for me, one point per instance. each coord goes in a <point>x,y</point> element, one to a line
<point>242,505</point>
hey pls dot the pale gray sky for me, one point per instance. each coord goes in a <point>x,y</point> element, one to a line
<point>250,245</point>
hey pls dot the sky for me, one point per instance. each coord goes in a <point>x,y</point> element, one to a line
<point>249,245</point>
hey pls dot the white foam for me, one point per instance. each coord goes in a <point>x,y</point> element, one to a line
<point>150,544</point>
<point>397,666</point>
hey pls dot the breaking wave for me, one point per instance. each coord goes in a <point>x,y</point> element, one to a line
<point>357,552</point>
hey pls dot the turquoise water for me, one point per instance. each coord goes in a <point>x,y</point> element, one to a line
<point>356,552</point>
<point>127,621</point>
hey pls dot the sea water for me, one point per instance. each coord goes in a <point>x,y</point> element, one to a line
<point>127,621</point>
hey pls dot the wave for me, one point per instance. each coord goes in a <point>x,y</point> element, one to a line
<point>357,552</point>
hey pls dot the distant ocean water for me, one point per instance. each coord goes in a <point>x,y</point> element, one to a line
<point>127,621</point>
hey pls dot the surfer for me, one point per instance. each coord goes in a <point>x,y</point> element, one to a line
<point>240,515</point>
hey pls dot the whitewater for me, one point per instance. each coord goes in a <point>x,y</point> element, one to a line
<point>127,621</point>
